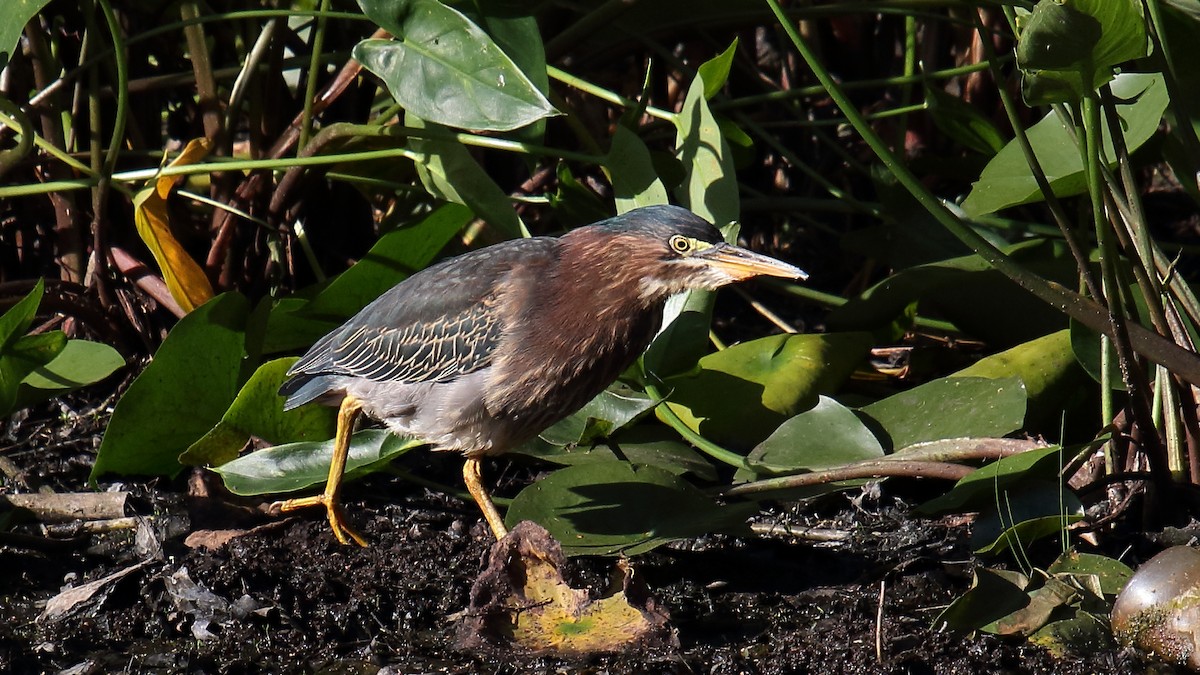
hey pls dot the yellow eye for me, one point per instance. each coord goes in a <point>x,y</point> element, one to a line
<point>681,244</point>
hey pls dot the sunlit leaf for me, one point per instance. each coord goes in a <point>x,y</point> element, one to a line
<point>710,190</point>
<point>445,69</point>
<point>1047,366</point>
<point>1082,633</point>
<point>19,353</point>
<point>951,407</point>
<point>21,358</point>
<point>181,395</point>
<point>828,434</point>
<point>14,14</point>
<point>1007,180</point>
<point>17,319</point>
<point>258,413</point>
<point>634,181</point>
<point>295,466</point>
<point>79,364</point>
<point>715,71</point>
<point>184,277</point>
<point>740,395</point>
<point>1111,573</point>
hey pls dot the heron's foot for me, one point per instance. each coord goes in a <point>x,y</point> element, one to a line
<point>337,520</point>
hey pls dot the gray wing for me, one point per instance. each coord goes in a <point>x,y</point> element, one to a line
<point>439,324</point>
<point>421,351</point>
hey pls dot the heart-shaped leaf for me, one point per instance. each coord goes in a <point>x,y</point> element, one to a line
<point>1008,181</point>
<point>445,69</point>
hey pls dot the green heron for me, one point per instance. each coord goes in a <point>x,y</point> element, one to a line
<point>481,352</point>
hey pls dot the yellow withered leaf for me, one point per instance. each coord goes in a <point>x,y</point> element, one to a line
<point>521,602</point>
<point>183,276</point>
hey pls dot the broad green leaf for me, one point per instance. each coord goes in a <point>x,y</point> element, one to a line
<point>969,292</point>
<point>182,393</point>
<point>611,410</point>
<point>450,173</point>
<point>740,395</point>
<point>977,490</point>
<point>616,507</point>
<point>14,14</point>
<point>258,413</point>
<point>715,71</point>
<point>1041,363</point>
<point>1052,376</point>
<point>828,434</point>
<point>631,172</point>
<point>1024,513</point>
<point>1007,180</point>
<point>1069,47</point>
<point>295,466</point>
<point>711,189</point>
<point>185,279</point>
<point>79,364</point>
<point>397,255</point>
<point>658,446</point>
<point>994,594</point>
<point>445,69</point>
<point>516,32</point>
<point>17,319</point>
<point>950,407</point>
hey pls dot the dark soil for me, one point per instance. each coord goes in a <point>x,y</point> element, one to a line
<point>290,599</point>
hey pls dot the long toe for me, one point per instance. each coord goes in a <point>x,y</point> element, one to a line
<point>341,529</point>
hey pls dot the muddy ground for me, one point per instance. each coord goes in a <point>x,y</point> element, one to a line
<point>288,599</point>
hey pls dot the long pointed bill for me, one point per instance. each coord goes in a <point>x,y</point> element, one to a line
<point>741,263</point>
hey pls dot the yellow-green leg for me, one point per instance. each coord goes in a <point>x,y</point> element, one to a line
<point>347,415</point>
<point>474,480</point>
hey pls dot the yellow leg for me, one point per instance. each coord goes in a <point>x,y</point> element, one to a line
<point>347,415</point>
<point>474,481</point>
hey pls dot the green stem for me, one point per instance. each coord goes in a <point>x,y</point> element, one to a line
<point>605,94</point>
<point>702,444</point>
<point>310,85</point>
